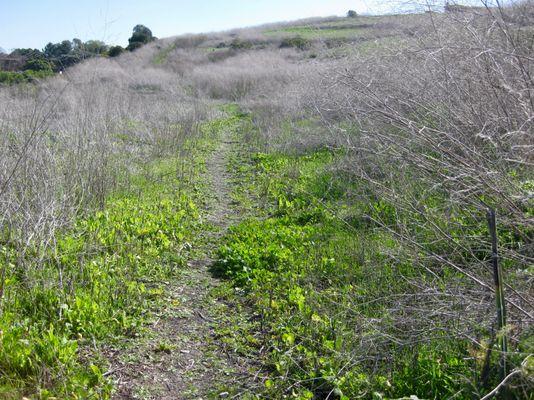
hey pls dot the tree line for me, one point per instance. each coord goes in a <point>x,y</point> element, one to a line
<point>55,57</point>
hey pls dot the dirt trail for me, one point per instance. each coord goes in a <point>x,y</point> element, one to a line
<point>184,358</point>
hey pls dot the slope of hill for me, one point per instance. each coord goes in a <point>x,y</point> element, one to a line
<point>295,210</point>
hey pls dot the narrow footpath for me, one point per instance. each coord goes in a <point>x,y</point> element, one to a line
<point>185,356</point>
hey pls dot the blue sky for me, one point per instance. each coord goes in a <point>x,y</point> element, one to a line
<point>33,23</point>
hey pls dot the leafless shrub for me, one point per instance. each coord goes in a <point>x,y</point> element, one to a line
<point>249,73</point>
<point>443,131</point>
<point>189,41</point>
<point>438,127</point>
<point>221,55</point>
<point>67,142</point>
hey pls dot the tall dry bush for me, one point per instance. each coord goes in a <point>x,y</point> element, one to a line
<point>249,74</point>
<point>439,130</point>
<point>68,142</point>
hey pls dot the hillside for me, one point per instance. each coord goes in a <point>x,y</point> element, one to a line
<point>302,210</point>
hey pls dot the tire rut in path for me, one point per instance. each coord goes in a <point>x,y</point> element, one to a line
<point>184,358</point>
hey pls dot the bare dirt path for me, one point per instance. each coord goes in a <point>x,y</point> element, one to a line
<point>184,356</point>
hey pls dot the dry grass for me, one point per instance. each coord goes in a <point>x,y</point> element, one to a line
<point>67,142</point>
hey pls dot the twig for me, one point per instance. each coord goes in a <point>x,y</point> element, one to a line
<point>112,371</point>
<point>500,385</point>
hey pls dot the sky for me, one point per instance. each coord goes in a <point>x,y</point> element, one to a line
<point>33,23</point>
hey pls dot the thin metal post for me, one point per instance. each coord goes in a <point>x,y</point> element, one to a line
<point>499,292</point>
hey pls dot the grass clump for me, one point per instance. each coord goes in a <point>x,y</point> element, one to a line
<point>163,54</point>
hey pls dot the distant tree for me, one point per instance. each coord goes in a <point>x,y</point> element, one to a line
<point>11,62</point>
<point>27,53</point>
<point>20,57</point>
<point>2,51</point>
<point>37,64</point>
<point>134,46</point>
<point>77,43</point>
<point>352,14</point>
<point>57,50</point>
<point>115,51</point>
<point>141,35</point>
<point>453,7</point>
<point>78,50</point>
<point>59,54</point>
<point>95,47</point>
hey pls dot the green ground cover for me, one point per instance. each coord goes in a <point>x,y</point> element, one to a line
<point>100,280</point>
<point>313,267</point>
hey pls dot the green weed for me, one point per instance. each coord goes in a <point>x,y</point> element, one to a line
<point>102,276</point>
<point>313,267</point>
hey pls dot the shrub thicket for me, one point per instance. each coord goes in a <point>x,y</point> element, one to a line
<point>115,51</point>
<point>240,44</point>
<point>297,42</point>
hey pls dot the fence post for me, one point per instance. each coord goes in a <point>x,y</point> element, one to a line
<point>499,292</point>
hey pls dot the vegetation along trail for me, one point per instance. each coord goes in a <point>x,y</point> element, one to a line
<point>185,355</point>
